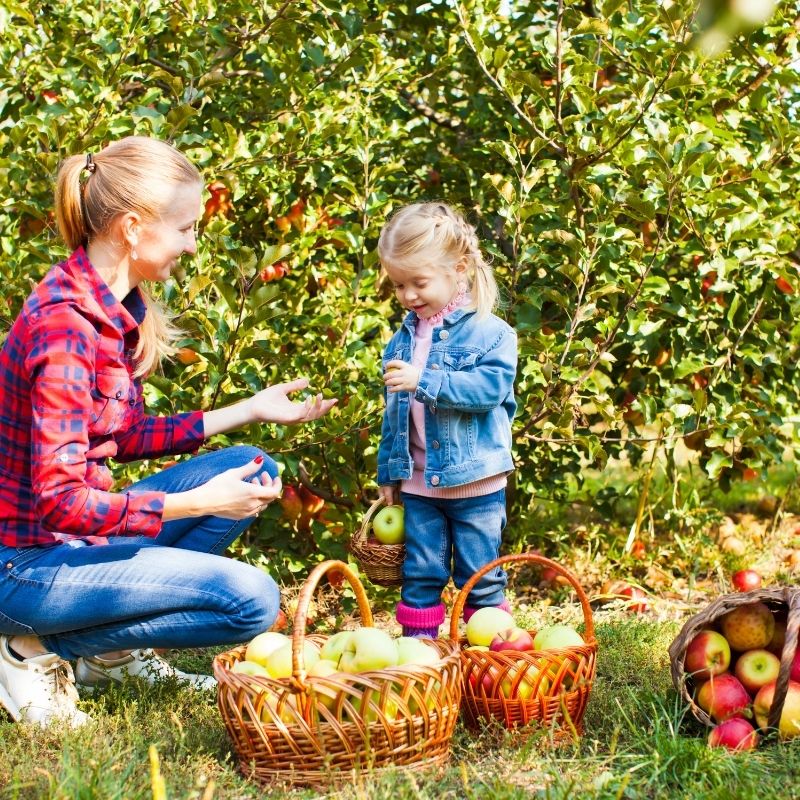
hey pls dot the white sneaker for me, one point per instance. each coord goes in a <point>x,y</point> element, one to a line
<point>93,671</point>
<point>39,689</point>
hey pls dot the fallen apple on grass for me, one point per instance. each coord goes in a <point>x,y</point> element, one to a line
<point>746,580</point>
<point>734,734</point>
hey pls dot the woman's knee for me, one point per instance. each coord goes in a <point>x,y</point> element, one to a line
<point>257,604</point>
<point>245,453</point>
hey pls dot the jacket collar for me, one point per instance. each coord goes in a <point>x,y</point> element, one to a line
<point>410,321</point>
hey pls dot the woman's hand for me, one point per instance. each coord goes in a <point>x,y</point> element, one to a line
<point>273,404</point>
<point>400,376</point>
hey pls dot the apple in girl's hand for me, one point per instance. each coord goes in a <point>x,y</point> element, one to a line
<point>723,697</point>
<point>757,668</point>
<point>746,580</point>
<point>748,627</point>
<point>735,734</point>
<point>512,639</point>
<point>368,649</point>
<point>789,724</point>
<point>388,525</point>
<point>555,637</point>
<point>262,645</point>
<point>485,623</point>
<point>708,654</point>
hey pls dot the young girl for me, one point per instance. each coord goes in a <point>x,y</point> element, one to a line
<point>446,440</point>
<point>96,574</point>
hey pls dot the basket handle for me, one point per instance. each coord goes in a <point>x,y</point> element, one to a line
<point>303,601</point>
<point>787,657</point>
<point>461,600</point>
<point>361,534</point>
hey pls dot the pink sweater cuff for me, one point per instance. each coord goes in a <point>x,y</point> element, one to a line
<point>420,617</point>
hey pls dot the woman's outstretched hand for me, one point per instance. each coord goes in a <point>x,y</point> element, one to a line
<point>273,404</point>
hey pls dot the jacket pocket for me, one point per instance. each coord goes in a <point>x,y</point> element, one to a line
<point>455,362</point>
<point>109,401</point>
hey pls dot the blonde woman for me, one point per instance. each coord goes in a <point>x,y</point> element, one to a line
<point>445,448</point>
<point>90,573</point>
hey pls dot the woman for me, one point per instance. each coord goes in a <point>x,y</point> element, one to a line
<point>89,573</point>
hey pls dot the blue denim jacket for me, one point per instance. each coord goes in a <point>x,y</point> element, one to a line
<point>467,387</point>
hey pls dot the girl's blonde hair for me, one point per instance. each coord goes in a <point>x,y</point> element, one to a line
<point>440,235</point>
<point>133,174</point>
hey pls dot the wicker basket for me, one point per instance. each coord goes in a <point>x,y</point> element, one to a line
<point>318,731</point>
<point>381,563</point>
<point>783,599</point>
<point>548,687</point>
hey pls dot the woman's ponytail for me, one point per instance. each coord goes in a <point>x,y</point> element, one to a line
<point>70,213</point>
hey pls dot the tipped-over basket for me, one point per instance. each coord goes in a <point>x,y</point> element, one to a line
<point>381,563</point>
<point>548,687</point>
<point>318,731</point>
<point>781,600</point>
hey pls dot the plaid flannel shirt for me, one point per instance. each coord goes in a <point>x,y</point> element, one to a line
<point>68,402</point>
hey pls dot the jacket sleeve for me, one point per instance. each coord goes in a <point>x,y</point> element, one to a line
<point>61,363</point>
<point>385,447</point>
<point>485,385</point>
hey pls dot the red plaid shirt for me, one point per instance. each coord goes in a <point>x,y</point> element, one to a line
<point>68,401</point>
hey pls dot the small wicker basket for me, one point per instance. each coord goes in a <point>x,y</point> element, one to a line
<point>381,563</point>
<point>319,731</point>
<point>548,687</point>
<point>782,599</point>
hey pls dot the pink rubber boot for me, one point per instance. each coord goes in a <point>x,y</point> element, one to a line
<point>420,622</point>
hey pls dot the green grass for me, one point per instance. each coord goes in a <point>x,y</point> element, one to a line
<point>639,743</point>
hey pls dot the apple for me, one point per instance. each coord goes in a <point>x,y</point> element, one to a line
<point>789,724</point>
<point>485,623</point>
<point>723,697</point>
<point>735,734</point>
<point>757,668</point>
<point>707,655</point>
<point>512,639</point>
<point>625,591</point>
<point>286,711</point>
<point>388,525</point>
<point>250,668</point>
<point>368,649</point>
<point>519,684</point>
<point>334,646</point>
<point>794,675</point>
<point>262,645</point>
<point>370,706</point>
<point>279,661</point>
<point>746,580</point>
<point>556,637</point>
<point>413,651</point>
<point>325,694</point>
<point>748,627</point>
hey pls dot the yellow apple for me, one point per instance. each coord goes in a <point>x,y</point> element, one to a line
<point>279,661</point>
<point>262,645</point>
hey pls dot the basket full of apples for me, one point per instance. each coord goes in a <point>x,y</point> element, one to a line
<point>312,710</point>
<point>378,545</point>
<point>737,664</point>
<point>519,676</point>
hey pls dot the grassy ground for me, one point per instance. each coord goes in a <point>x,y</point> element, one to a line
<point>639,743</point>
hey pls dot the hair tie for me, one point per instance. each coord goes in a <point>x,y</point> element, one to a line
<point>90,166</point>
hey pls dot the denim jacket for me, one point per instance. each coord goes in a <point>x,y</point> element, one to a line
<point>467,387</point>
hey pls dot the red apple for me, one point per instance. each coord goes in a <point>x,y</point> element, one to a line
<point>794,675</point>
<point>511,639</point>
<point>723,697</point>
<point>707,655</point>
<point>746,580</point>
<point>789,724</point>
<point>757,668</point>
<point>735,734</point>
<point>748,627</point>
<point>624,590</point>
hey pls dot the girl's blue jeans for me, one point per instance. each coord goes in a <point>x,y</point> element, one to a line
<point>176,590</point>
<point>447,537</point>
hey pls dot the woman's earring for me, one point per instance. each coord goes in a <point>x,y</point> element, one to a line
<point>462,286</point>
<point>134,255</point>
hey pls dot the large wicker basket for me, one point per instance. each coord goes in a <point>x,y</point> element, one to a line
<point>782,599</point>
<point>381,563</point>
<point>550,687</point>
<point>317,731</point>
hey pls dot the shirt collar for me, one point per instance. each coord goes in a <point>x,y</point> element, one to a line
<point>126,315</point>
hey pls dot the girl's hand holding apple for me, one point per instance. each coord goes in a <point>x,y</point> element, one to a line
<point>401,377</point>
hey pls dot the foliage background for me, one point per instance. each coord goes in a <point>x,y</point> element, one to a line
<point>639,201</point>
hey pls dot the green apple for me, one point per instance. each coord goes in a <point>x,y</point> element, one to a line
<point>324,693</point>
<point>368,649</point>
<point>486,623</point>
<point>279,661</point>
<point>287,711</point>
<point>262,645</point>
<point>250,668</point>
<point>388,525</point>
<point>555,637</point>
<point>413,651</point>
<point>370,705</point>
<point>334,646</point>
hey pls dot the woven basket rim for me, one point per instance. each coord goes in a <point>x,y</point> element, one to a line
<point>710,614</point>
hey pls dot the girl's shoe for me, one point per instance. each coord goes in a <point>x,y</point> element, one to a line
<point>40,689</point>
<point>420,622</point>
<point>146,664</point>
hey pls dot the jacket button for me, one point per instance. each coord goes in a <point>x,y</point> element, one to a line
<point>119,395</point>
<point>435,480</point>
<point>444,335</point>
<point>435,444</point>
<point>9,565</point>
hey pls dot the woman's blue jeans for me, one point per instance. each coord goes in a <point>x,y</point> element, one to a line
<point>176,590</point>
<point>452,536</point>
